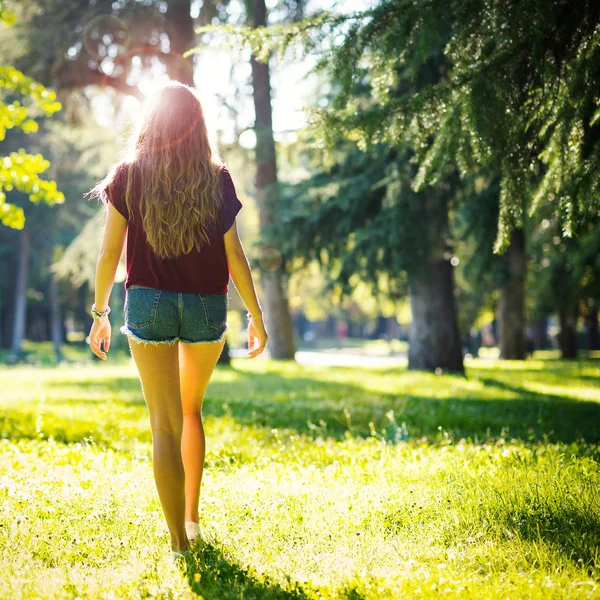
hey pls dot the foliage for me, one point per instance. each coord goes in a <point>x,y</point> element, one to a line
<point>351,217</point>
<point>300,494</point>
<point>70,45</point>
<point>20,170</point>
<point>564,272</point>
<point>78,263</point>
<point>79,157</point>
<point>263,41</point>
<point>504,86</point>
<point>6,16</point>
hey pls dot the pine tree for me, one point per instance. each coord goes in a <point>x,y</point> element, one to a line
<point>504,90</point>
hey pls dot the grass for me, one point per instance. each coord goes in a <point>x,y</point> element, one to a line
<point>319,483</point>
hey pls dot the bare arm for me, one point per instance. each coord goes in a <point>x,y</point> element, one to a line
<point>106,267</point>
<point>110,253</point>
<point>239,269</point>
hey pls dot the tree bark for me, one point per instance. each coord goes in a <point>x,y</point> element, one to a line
<point>179,26</point>
<point>540,334</point>
<point>278,319</point>
<point>591,321</point>
<point>434,339</point>
<point>20,296</point>
<point>511,304</point>
<point>567,337</point>
<point>55,320</point>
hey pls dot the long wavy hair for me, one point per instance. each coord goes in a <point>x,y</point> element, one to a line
<point>173,173</point>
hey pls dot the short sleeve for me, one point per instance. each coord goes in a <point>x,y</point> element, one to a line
<point>231,203</point>
<point>115,190</point>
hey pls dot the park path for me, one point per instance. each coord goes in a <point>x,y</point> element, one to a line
<point>336,358</point>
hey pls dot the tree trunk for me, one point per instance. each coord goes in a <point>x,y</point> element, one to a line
<point>381,327</point>
<point>55,320</point>
<point>567,337</point>
<point>179,26</point>
<point>434,340</point>
<point>540,334</point>
<point>511,305</point>
<point>591,321</point>
<point>20,296</point>
<point>37,324</point>
<point>278,319</point>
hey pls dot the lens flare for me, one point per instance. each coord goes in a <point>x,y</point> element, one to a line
<point>105,36</point>
<point>270,259</point>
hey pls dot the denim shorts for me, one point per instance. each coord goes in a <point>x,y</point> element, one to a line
<point>159,317</point>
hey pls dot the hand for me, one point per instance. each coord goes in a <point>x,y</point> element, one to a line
<point>101,330</point>
<point>257,337</point>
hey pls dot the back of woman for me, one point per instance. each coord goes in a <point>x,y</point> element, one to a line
<point>175,203</point>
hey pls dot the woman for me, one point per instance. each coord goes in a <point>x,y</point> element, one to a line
<point>177,204</point>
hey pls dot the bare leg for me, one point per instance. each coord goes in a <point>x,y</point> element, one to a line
<point>197,363</point>
<point>158,367</point>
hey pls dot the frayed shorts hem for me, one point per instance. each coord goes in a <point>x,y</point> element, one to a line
<point>126,331</point>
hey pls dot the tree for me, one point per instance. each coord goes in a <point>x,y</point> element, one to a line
<point>21,171</point>
<point>357,216</point>
<point>488,272</point>
<point>434,333</point>
<point>503,86</point>
<point>77,158</point>
<point>277,313</point>
<point>565,280</point>
<point>71,45</point>
<point>512,93</point>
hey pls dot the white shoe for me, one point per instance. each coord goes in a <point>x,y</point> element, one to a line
<point>193,532</point>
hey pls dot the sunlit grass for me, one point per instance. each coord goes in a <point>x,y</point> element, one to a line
<point>319,483</point>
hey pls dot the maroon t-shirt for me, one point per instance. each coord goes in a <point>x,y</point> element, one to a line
<point>198,272</point>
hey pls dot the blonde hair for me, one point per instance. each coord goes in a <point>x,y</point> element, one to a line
<point>173,173</point>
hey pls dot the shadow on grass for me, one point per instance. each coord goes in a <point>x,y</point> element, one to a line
<point>573,531</point>
<point>213,576</point>
<point>320,408</point>
<point>317,408</point>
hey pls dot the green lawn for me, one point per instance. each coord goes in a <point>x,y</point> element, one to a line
<point>319,483</point>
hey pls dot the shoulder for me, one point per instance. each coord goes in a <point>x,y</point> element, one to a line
<point>226,177</point>
<point>121,171</point>
<point>117,177</point>
<point>225,174</point>
<point>115,187</point>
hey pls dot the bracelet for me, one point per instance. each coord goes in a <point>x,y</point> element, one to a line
<point>97,314</point>
<point>249,316</point>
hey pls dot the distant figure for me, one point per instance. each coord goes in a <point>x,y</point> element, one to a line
<point>177,204</point>
<point>342,330</point>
